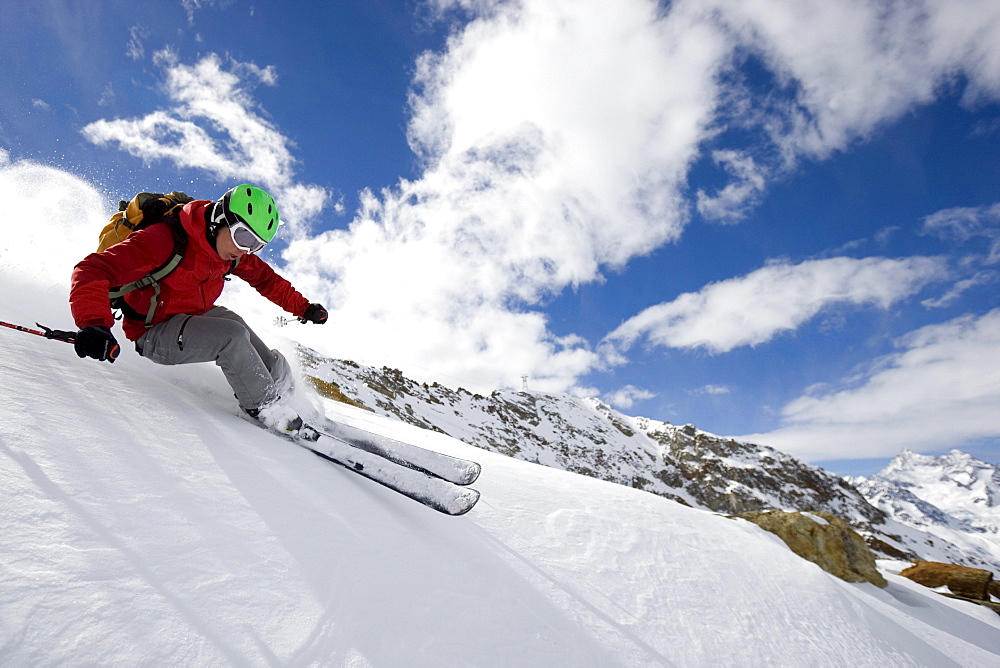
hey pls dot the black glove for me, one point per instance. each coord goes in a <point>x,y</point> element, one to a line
<point>314,313</point>
<point>96,342</point>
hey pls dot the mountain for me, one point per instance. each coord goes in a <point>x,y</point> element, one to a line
<point>146,523</point>
<point>954,498</point>
<point>681,463</point>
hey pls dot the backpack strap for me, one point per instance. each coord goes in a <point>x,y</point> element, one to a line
<point>153,278</point>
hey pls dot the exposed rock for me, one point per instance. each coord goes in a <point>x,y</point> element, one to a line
<point>824,539</point>
<point>973,583</point>
<point>331,390</point>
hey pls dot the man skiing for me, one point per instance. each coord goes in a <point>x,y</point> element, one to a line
<point>176,321</point>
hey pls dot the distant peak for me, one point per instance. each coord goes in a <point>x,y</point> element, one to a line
<point>905,459</point>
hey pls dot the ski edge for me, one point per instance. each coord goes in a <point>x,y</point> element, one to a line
<point>461,499</point>
<point>466,470</point>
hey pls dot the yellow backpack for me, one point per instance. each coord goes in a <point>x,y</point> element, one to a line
<point>144,209</point>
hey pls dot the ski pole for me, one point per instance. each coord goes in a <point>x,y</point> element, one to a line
<point>58,335</point>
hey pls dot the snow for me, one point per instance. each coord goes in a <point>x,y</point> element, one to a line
<point>817,519</point>
<point>145,522</point>
<point>957,483</point>
<point>952,501</point>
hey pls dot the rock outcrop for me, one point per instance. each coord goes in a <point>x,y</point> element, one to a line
<point>824,539</point>
<point>962,581</point>
<point>975,585</point>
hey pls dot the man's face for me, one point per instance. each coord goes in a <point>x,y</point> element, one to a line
<point>225,247</point>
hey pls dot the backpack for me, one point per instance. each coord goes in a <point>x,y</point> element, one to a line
<point>143,210</point>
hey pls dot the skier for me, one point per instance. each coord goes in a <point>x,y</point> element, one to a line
<point>178,322</point>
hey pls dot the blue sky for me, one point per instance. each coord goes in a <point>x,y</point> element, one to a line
<point>777,220</point>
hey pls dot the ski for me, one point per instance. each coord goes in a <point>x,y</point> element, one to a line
<point>453,469</point>
<point>433,492</point>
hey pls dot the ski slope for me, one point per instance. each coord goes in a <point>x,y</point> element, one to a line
<point>145,522</point>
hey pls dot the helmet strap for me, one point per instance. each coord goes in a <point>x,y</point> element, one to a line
<point>214,219</point>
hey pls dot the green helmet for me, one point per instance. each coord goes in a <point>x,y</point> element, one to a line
<point>253,206</point>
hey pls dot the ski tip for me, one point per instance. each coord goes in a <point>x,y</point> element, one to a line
<point>470,474</point>
<point>463,503</point>
<point>463,475</point>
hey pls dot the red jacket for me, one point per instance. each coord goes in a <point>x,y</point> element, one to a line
<point>191,288</point>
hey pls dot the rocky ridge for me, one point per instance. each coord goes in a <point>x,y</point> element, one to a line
<point>589,437</point>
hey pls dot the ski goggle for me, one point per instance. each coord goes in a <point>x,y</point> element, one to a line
<point>245,239</point>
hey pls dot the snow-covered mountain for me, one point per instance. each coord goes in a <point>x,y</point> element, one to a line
<point>682,463</point>
<point>180,534</point>
<point>145,523</point>
<point>954,498</point>
<point>588,436</point>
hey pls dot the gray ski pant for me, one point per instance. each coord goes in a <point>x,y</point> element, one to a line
<point>257,374</point>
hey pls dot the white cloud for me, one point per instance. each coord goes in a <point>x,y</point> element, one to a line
<point>780,297</point>
<point>192,6</point>
<point>134,48</point>
<point>986,127</point>
<point>214,126</point>
<point>624,398</point>
<point>519,105</point>
<point>854,65</point>
<point>965,223</point>
<point>536,178</point>
<point>967,226</point>
<point>733,202</point>
<point>713,390</point>
<point>961,287</point>
<point>940,391</point>
<point>557,139</point>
